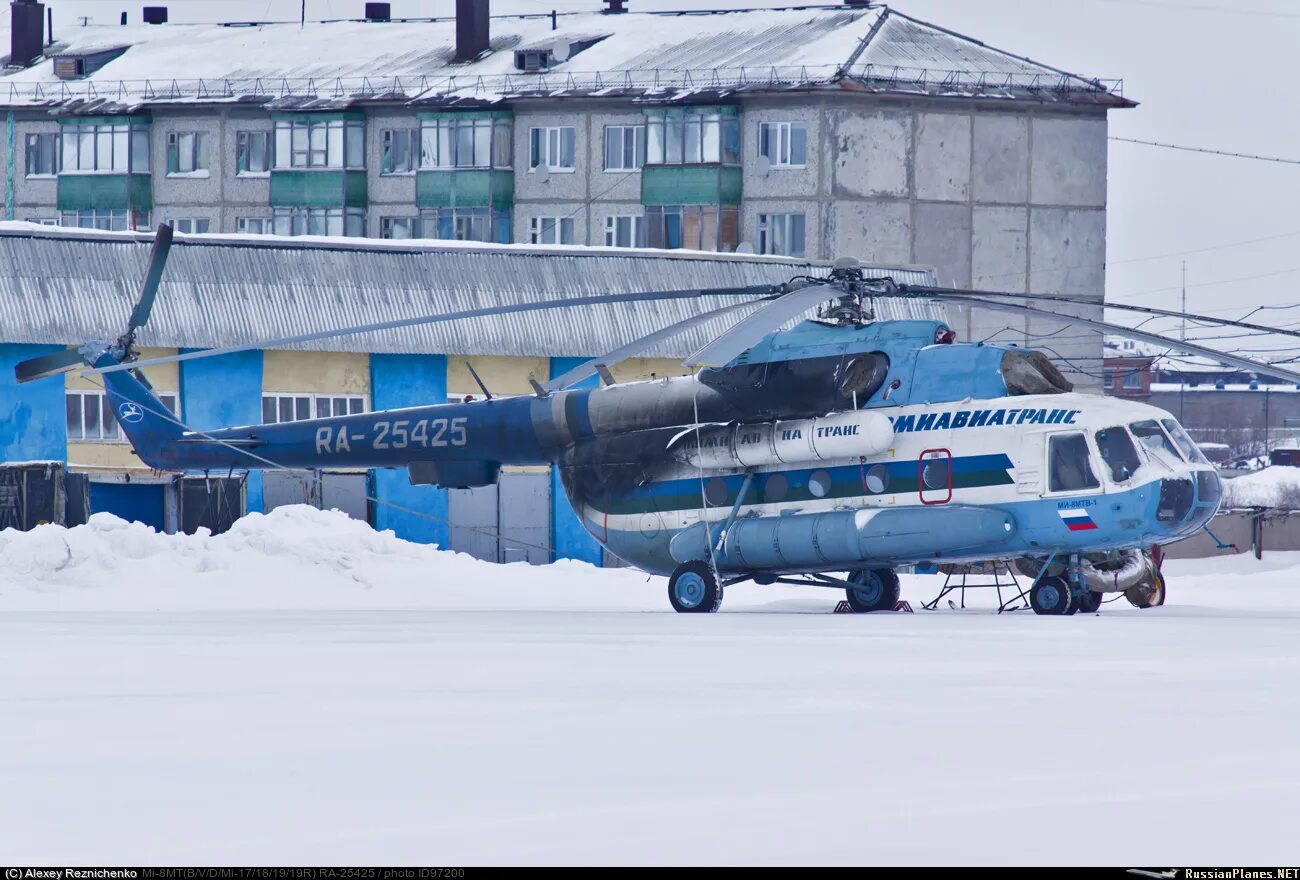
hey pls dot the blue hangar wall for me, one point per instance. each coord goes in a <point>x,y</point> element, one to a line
<point>33,417</point>
<point>218,392</point>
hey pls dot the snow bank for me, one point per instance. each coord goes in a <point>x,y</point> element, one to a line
<point>1270,487</point>
<point>294,557</point>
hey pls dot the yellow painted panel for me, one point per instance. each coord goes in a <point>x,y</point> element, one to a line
<point>103,455</point>
<point>635,369</point>
<point>316,372</point>
<point>501,374</point>
<point>163,377</point>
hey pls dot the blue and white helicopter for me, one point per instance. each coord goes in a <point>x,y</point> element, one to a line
<point>830,454</point>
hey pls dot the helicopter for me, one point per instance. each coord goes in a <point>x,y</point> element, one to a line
<point>829,454</point>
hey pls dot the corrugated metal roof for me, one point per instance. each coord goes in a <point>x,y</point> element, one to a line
<point>64,286</point>
<point>657,55</point>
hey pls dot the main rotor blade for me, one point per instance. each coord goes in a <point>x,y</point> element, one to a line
<point>1047,297</point>
<point>162,245</point>
<point>47,365</point>
<point>1120,330</point>
<point>760,291</point>
<point>745,333</point>
<point>636,346</point>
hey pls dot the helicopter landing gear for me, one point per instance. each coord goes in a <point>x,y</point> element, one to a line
<point>1149,593</point>
<point>1089,602</point>
<point>1051,595</point>
<point>873,589</point>
<point>693,589</point>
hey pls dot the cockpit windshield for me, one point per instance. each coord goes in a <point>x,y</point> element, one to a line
<point>1185,443</point>
<point>1149,434</point>
<point>1118,452</point>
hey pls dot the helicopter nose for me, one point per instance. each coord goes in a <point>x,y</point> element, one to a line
<point>1188,502</point>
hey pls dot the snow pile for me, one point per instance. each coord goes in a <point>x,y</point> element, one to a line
<point>294,557</point>
<point>1270,487</point>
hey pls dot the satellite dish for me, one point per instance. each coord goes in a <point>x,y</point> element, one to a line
<point>764,165</point>
<point>543,173</point>
<point>744,248</point>
<point>560,50</point>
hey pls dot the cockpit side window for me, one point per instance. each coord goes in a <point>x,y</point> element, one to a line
<point>1149,434</point>
<point>1118,452</point>
<point>1069,466</point>
<point>1190,450</point>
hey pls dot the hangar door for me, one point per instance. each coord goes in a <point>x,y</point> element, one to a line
<point>508,522</point>
<point>324,490</point>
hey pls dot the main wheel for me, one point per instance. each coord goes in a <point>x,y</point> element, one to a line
<point>874,589</point>
<point>1089,602</point>
<point>1051,595</point>
<point>1150,594</point>
<point>693,589</point>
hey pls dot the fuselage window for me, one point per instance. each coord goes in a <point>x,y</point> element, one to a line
<point>1119,453</point>
<point>715,492</point>
<point>1191,451</point>
<point>1069,465</point>
<point>775,488</point>
<point>1149,433</point>
<point>819,484</point>
<point>877,479</point>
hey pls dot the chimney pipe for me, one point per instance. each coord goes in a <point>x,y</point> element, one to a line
<point>471,29</point>
<point>26,32</point>
<point>615,7</point>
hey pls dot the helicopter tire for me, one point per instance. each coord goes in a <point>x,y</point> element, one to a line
<point>693,589</point>
<point>1150,594</point>
<point>1051,595</point>
<point>1089,602</point>
<point>879,589</point>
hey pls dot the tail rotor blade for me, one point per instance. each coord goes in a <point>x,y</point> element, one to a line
<point>162,245</point>
<point>48,365</point>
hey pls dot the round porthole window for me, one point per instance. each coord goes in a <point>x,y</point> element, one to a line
<point>775,488</point>
<point>877,479</point>
<point>715,492</point>
<point>935,473</point>
<point>819,484</point>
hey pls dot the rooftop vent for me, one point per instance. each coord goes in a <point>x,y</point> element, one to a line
<point>155,15</point>
<point>471,29</point>
<point>84,62</point>
<point>544,56</point>
<point>379,12</point>
<point>26,32</point>
<point>613,7</point>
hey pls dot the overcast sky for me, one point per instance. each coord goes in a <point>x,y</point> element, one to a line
<point>1212,73</point>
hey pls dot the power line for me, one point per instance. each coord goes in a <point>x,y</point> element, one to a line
<point>1204,7</point>
<point>1205,150</point>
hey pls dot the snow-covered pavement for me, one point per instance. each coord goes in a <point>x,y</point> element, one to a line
<point>303,690</point>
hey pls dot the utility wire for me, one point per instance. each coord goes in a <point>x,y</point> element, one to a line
<point>1206,150</point>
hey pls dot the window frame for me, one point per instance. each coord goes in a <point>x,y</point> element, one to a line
<point>299,221</point>
<point>316,142</point>
<point>546,142</point>
<point>128,138</point>
<point>1091,460</point>
<point>177,223</point>
<point>195,153</point>
<point>267,224</point>
<point>131,220</point>
<point>496,222</point>
<point>441,143</point>
<point>312,402</point>
<point>170,399</point>
<point>537,228</point>
<point>785,220</point>
<point>685,138</point>
<point>389,138</point>
<point>636,230</point>
<point>784,132</point>
<point>637,145</point>
<point>244,151</point>
<point>32,145</point>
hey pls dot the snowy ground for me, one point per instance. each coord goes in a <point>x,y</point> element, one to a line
<point>305,691</point>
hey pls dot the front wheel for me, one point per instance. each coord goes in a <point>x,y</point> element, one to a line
<point>874,589</point>
<point>1051,595</point>
<point>693,589</point>
<point>1089,602</point>
<point>1148,594</point>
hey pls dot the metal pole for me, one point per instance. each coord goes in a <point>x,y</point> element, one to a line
<point>1182,333</point>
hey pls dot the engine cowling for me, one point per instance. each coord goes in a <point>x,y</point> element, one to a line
<point>838,436</point>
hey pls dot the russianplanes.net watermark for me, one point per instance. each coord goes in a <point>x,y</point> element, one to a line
<point>1241,874</point>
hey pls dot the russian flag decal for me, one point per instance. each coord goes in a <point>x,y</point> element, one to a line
<point>1077,520</point>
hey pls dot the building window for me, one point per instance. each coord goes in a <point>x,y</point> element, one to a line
<point>465,224</point>
<point>320,143</point>
<point>190,225</point>
<point>465,143</point>
<point>320,221</point>
<point>43,221</point>
<point>624,147</point>
<point>784,144</point>
<point>627,230</point>
<point>552,147</point>
<point>187,153</point>
<point>117,221</point>
<point>695,227</point>
<point>90,416</point>
<point>399,227</point>
<point>253,225</point>
<point>401,149</point>
<point>278,408</point>
<point>42,155</point>
<point>679,137</point>
<point>105,148</point>
<point>1132,379</point>
<point>781,234</point>
<point>253,153</point>
<point>551,230</point>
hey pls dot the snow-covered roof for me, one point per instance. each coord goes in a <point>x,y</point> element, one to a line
<point>641,55</point>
